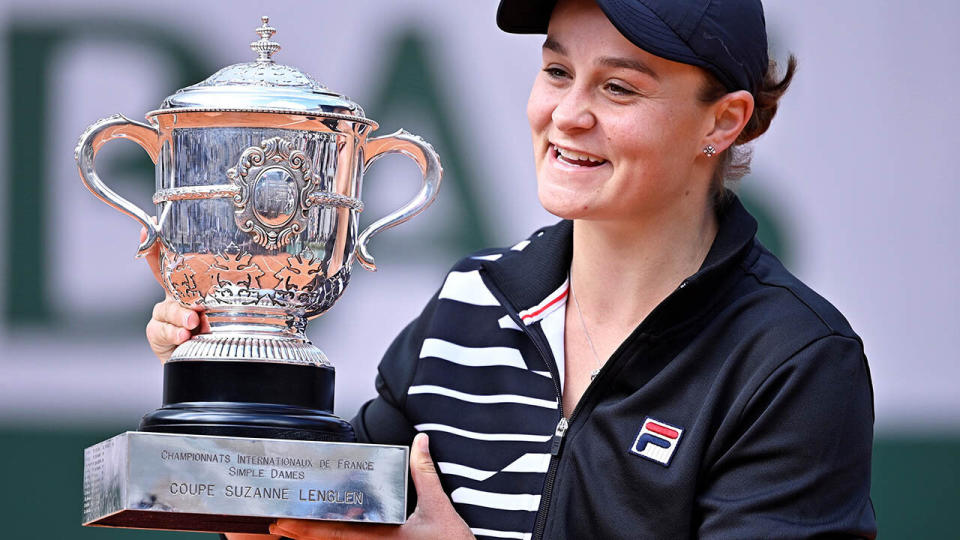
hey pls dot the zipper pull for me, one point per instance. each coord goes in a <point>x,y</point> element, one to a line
<point>558,437</point>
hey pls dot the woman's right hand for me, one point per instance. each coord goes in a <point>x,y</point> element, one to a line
<point>171,323</point>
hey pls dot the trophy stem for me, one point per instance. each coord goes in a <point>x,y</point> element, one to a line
<point>256,319</point>
<point>246,344</point>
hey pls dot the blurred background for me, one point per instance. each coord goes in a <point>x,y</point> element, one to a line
<point>855,186</point>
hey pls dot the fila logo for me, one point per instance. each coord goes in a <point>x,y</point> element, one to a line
<point>657,441</point>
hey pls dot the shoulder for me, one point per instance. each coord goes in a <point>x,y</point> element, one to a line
<point>793,376</point>
<point>464,291</point>
<point>779,313</point>
<point>791,339</point>
<point>523,269</point>
<point>770,330</point>
<point>770,274</point>
<point>505,254</point>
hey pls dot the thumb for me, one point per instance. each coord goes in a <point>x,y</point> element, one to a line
<point>430,495</point>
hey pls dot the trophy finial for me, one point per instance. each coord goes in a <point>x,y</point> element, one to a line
<point>264,47</point>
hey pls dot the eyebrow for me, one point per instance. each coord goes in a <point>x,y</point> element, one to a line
<point>629,63</point>
<point>554,46</point>
<point>608,61</point>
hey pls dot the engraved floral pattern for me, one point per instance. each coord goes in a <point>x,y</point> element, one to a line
<point>293,284</point>
<point>182,279</point>
<point>236,268</point>
<point>299,273</point>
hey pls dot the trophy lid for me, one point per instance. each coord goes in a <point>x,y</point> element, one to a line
<point>262,86</point>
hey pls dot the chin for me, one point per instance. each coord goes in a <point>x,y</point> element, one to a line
<point>564,205</point>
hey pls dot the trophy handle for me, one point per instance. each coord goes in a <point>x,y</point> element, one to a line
<point>93,138</point>
<point>412,146</point>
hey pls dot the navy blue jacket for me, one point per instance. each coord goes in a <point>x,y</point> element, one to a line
<point>741,407</point>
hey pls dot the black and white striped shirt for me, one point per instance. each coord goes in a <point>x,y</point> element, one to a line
<point>485,385</point>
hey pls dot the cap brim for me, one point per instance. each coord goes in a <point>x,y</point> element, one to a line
<point>525,16</point>
<point>631,18</point>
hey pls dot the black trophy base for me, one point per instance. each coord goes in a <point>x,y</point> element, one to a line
<point>248,399</point>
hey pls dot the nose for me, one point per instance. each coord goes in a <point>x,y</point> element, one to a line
<point>573,111</point>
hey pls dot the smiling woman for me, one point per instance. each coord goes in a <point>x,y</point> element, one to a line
<point>691,387</point>
<point>634,113</point>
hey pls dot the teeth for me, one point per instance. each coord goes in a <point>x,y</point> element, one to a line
<point>574,156</point>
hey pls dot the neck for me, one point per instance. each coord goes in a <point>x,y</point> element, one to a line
<point>621,270</point>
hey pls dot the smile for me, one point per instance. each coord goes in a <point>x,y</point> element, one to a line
<point>576,159</point>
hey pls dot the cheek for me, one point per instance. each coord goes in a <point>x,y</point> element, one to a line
<point>539,108</point>
<point>688,126</point>
<point>660,138</point>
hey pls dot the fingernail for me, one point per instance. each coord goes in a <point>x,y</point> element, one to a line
<point>188,320</point>
<point>182,335</point>
<point>280,531</point>
<point>423,443</point>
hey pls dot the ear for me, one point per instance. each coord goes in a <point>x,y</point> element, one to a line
<point>730,115</point>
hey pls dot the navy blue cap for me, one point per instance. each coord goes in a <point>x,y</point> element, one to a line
<point>728,38</point>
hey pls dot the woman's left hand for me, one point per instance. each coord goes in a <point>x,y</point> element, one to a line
<point>434,516</point>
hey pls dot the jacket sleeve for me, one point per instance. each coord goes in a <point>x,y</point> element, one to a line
<point>382,420</point>
<point>799,466</point>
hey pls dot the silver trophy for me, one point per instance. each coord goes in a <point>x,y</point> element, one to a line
<point>259,171</point>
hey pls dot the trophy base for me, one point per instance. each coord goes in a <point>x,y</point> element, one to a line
<point>230,484</point>
<point>249,399</point>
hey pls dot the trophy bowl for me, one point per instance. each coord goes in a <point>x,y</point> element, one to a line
<point>258,189</point>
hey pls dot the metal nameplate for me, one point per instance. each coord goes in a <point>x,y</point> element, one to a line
<point>227,484</point>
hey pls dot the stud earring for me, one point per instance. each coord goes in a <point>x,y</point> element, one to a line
<point>709,150</point>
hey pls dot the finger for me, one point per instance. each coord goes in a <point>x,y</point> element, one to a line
<point>277,530</point>
<point>164,336</point>
<point>430,493</point>
<point>160,340</point>
<point>171,312</point>
<point>204,326</point>
<point>244,536</point>
<point>320,530</point>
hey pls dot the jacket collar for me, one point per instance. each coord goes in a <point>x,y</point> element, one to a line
<point>526,277</point>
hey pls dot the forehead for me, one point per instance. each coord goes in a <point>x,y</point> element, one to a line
<point>574,20</point>
<point>579,29</point>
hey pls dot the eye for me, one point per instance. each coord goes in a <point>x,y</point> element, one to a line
<point>555,72</point>
<point>618,89</point>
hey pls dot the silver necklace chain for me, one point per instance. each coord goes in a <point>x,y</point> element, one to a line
<point>586,333</point>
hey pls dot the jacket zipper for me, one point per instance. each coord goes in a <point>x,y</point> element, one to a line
<point>556,445</point>
<point>545,495</point>
<point>556,448</point>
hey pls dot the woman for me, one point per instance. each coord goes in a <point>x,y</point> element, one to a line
<point>644,368</point>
